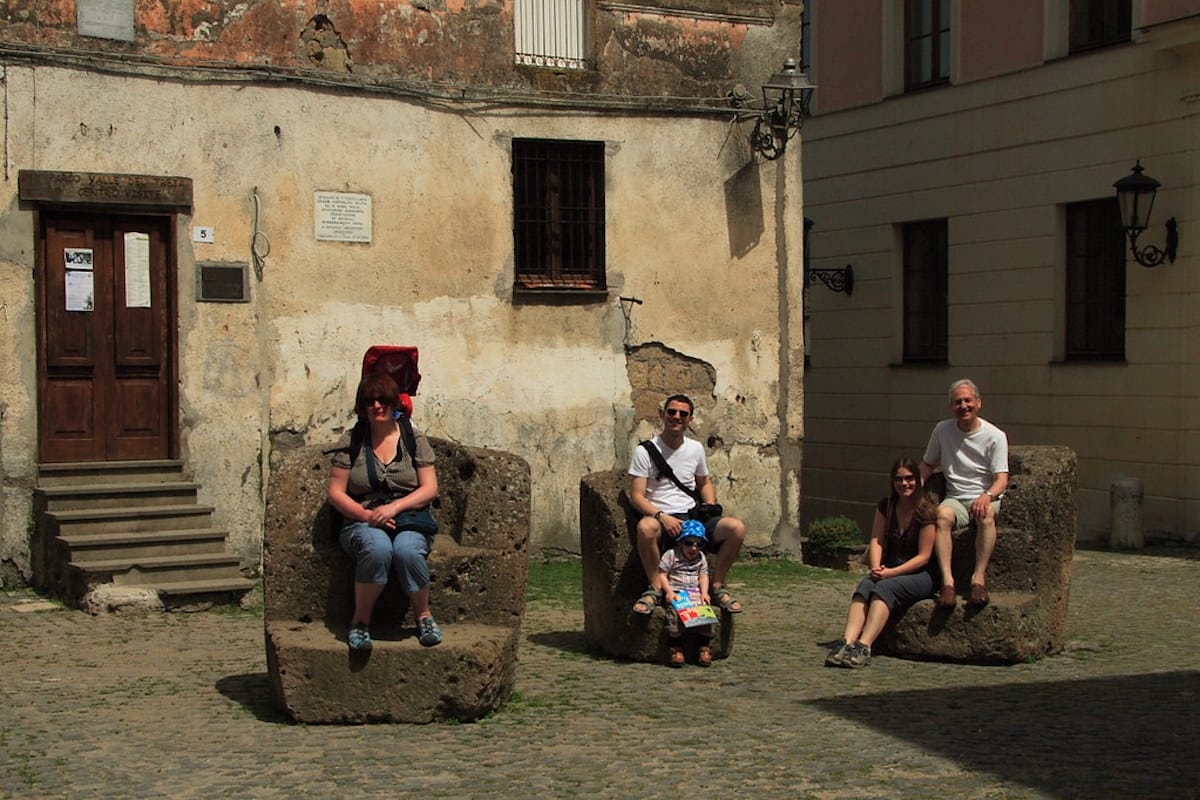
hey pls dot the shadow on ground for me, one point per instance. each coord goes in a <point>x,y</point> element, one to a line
<point>566,641</point>
<point>1124,736</point>
<point>253,692</point>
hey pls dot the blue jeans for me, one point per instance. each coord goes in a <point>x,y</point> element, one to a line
<point>376,554</point>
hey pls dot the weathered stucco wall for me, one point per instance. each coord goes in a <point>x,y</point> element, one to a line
<point>548,381</point>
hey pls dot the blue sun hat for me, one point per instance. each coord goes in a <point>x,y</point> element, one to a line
<point>693,529</point>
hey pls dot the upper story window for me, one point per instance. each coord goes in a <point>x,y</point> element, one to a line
<point>1095,302</point>
<point>926,43</point>
<point>926,278</point>
<point>1099,23</point>
<point>551,33</point>
<point>806,38</point>
<point>558,214</point>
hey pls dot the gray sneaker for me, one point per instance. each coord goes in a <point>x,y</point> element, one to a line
<point>428,632</point>
<point>857,656</point>
<point>837,653</point>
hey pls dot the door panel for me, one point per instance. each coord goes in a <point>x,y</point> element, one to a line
<point>106,373</point>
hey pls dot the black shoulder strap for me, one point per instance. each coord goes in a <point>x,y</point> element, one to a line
<point>410,438</point>
<point>665,469</point>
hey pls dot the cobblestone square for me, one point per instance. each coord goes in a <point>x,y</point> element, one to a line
<point>178,706</point>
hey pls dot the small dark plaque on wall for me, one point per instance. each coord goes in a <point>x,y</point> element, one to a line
<point>222,282</point>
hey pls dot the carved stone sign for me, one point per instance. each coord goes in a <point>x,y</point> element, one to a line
<point>159,191</point>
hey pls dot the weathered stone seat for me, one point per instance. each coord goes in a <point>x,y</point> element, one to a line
<point>1029,577</point>
<point>613,578</point>
<point>479,565</point>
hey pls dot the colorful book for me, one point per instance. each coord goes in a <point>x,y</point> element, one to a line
<point>693,613</point>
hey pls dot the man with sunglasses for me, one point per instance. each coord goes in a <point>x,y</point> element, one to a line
<point>973,455</point>
<point>665,506</point>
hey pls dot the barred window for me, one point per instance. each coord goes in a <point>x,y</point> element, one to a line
<point>551,33</point>
<point>558,214</point>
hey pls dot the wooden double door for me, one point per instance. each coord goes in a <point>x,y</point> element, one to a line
<point>106,346</point>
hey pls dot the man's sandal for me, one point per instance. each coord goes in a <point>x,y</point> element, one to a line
<point>677,659</point>
<point>646,603</point>
<point>725,599</point>
<point>704,656</point>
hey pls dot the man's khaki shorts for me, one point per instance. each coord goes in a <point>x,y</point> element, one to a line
<point>962,513</point>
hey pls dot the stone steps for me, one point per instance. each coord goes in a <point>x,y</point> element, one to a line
<point>132,524</point>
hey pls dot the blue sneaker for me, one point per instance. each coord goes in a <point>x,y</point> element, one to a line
<point>428,632</point>
<point>359,638</point>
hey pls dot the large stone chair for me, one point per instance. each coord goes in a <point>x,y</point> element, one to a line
<point>1029,577</point>
<point>613,578</point>
<point>479,565</point>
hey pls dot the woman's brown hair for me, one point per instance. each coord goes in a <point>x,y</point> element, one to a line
<point>923,506</point>
<point>376,386</point>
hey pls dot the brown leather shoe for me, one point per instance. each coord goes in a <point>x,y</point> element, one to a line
<point>979,595</point>
<point>947,599</point>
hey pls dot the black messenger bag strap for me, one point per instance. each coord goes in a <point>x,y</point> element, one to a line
<point>665,469</point>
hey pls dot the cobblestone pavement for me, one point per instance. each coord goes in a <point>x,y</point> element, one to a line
<point>178,706</point>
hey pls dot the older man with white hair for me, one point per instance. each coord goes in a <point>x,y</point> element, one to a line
<point>973,455</point>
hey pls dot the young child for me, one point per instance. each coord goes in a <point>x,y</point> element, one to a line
<point>685,568</point>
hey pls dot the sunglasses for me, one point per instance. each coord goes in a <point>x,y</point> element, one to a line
<point>382,400</point>
<point>678,412</point>
<point>692,543</point>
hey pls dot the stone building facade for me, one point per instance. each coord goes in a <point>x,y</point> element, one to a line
<point>962,160</point>
<point>268,188</point>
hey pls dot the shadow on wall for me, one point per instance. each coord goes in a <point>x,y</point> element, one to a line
<point>1124,736</point>
<point>744,210</point>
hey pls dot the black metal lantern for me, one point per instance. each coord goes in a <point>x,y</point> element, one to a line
<point>787,98</point>
<point>1135,195</point>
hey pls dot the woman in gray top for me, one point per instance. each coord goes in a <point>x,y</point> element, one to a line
<point>371,488</point>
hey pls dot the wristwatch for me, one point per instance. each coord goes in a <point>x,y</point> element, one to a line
<point>658,514</point>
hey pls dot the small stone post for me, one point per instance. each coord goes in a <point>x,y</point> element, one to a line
<point>1125,502</point>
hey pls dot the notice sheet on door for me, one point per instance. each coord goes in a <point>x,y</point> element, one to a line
<point>137,270</point>
<point>80,286</point>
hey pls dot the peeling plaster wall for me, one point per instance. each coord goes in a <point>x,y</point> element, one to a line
<point>442,41</point>
<point>551,382</point>
<point>415,102</point>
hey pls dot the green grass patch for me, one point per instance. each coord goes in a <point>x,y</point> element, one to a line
<point>556,582</point>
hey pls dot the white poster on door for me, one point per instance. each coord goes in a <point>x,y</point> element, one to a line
<point>80,290</point>
<point>137,270</point>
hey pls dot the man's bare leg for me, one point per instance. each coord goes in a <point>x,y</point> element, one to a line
<point>648,533</point>
<point>943,549</point>
<point>985,543</point>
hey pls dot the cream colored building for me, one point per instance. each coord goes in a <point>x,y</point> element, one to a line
<point>962,161</point>
<point>350,175</point>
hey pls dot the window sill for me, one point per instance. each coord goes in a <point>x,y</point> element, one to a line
<point>559,295</point>
<point>1097,360</point>
<point>931,363</point>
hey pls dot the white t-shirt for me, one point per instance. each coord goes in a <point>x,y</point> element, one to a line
<point>687,462</point>
<point>970,461</point>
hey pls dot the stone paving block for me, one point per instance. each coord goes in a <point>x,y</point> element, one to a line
<point>613,578</point>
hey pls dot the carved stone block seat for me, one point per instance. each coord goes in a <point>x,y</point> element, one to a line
<point>479,565</point>
<point>1029,577</point>
<point>613,578</point>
